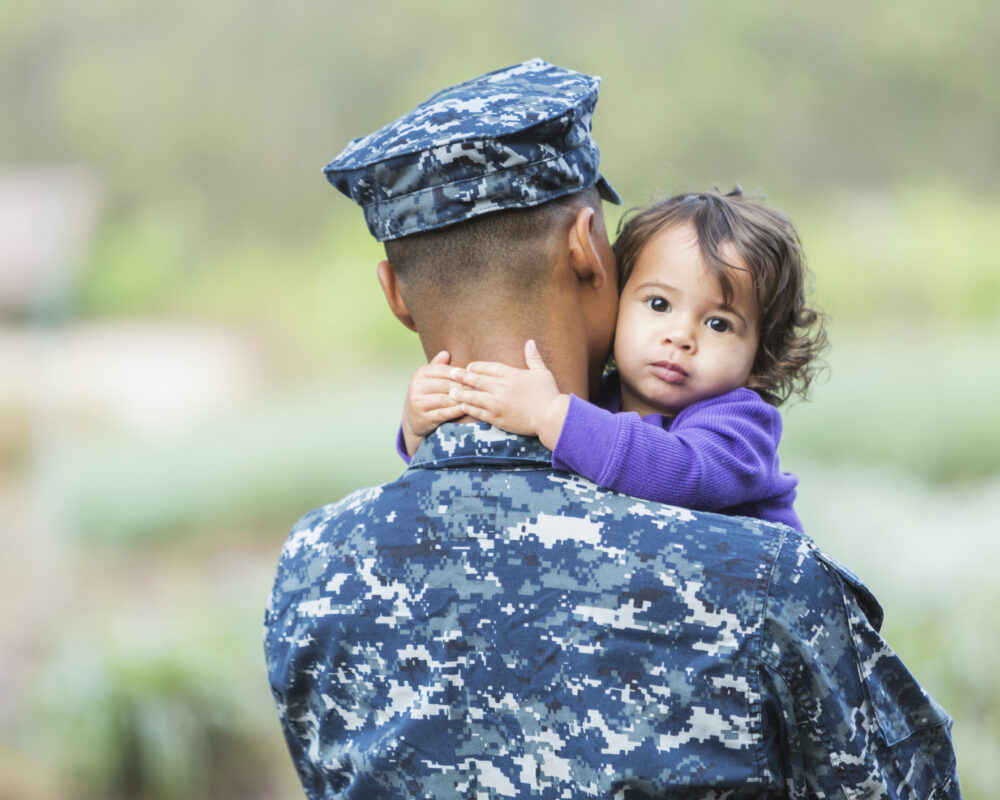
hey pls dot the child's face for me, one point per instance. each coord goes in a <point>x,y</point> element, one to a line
<point>676,342</point>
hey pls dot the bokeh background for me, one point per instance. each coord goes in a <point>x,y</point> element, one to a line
<point>194,350</point>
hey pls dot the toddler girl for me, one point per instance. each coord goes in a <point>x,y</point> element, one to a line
<point>713,334</point>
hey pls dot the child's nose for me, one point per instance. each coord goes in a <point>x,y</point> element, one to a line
<point>680,336</point>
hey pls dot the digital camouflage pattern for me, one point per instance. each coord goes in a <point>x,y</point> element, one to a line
<point>486,627</point>
<point>512,138</point>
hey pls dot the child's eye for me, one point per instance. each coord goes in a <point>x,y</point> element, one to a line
<point>658,304</point>
<point>718,324</point>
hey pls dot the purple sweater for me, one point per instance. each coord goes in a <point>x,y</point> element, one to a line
<point>719,454</point>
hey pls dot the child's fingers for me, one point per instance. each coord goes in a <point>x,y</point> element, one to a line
<point>532,357</point>
<point>427,402</point>
<point>439,371</point>
<point>446,413</point>
<point>493,368</point>
<point>478,413</point>
<point>481,380</point>
<point>433,386</point>
<point>472,397</point>
<point>435,379</point>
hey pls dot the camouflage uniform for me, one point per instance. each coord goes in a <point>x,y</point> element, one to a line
<point>487,627</point>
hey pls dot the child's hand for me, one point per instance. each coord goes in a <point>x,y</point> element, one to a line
<point>427,401</point>
<point>523,401</point>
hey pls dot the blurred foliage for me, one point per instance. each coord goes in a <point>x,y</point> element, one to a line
<point>904,397</point>
<point>209,124</point>
<point>872,126</point>
<point>852,95</point>
<point>915,257</point>
<point>271,461</point>
<point>910,258</point>
<point>156,708</point>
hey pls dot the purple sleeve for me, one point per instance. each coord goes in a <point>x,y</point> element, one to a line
<point>401,445</point>
<point>717,453</point>
<point>588,436</point>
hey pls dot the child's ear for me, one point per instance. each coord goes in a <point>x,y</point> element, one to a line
<point>389,282</point>
<point>585,250</point>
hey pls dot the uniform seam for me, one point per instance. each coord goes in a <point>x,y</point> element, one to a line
<point>848,619</point>
<point>811,717</point>
<point>753,675</point>
<point>811,712</point>
<point>482,462</point>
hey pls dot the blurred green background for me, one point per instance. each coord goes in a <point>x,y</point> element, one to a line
<point>194,350</point>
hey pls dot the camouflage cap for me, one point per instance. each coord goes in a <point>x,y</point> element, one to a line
<point>513,138</point>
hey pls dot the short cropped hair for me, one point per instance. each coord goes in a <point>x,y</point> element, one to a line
<point>503,250</point>
<point>792,335</point>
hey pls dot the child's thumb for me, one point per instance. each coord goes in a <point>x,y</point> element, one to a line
<point>532,357</point>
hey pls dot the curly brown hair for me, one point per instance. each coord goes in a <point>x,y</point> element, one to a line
<point>792,335</point>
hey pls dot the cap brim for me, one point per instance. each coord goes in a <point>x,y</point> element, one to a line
<point>607,191</point>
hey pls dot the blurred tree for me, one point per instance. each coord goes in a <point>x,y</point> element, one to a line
<point>226,112</point>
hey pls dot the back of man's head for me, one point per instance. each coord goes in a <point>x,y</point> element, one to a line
<point>505,257</point>
<point>480,193</point>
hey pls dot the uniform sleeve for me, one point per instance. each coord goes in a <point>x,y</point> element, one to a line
<point>842,715</point>
<point>718,453</point>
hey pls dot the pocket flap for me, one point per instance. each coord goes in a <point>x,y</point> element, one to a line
<point>900,705</point>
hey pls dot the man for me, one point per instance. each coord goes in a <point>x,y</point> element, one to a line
<point>487,627</point>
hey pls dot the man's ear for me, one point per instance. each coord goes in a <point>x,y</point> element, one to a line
<point>584,256</point>
<point>389,282</point>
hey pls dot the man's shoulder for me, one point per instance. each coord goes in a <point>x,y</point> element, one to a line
<point>360,501</point>
<point>803,569</point>
<point>541,498</point>
<point>799,589</point>
<point>504,488</point>
<point>804,566</point>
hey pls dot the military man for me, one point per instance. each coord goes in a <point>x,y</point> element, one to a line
<point>487,627</point>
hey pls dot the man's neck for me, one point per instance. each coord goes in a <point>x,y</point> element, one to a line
<point>565,355</point>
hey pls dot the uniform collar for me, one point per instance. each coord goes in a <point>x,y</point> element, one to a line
<point>459,444</point>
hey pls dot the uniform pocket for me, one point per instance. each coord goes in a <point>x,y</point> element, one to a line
<point>899,704</point>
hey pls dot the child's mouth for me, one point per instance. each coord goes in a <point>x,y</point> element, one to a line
<point>670,372</point>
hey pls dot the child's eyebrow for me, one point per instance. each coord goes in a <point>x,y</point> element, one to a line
<point>656,285</point>
<point>730,309</point>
